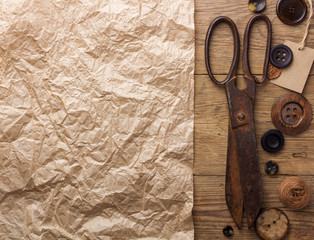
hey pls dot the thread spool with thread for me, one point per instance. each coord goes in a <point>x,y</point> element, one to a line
<point>294,193</point>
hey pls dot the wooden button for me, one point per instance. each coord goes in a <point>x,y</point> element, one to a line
<point>291,12</point>
<point>273,72</point>
<point>272,224</point>
<point>291,113</point>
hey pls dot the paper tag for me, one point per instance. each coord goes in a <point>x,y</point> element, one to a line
<point>294,76</point>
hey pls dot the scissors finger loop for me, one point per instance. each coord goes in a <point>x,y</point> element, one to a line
<point>246,65</point>
<point>236,51</point>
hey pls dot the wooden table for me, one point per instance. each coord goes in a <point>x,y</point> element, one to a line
<point>211,116</point>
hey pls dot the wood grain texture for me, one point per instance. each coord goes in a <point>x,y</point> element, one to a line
<point>211,213</point>
<point>211,117</point>
<point>238,11</point>
<point>211,130</point>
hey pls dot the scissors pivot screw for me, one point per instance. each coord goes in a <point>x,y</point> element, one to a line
<point>241,117</point>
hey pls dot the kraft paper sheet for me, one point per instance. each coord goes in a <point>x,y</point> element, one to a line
<point>96,119</point>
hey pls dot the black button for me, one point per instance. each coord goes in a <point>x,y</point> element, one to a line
<point>257,5</point>
<point>291,12</point>
<point>271,167</point>
<point>281,56</point>
<point>272,141</point>
<point>228,231</point>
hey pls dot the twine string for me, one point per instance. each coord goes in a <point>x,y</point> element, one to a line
<point>294,193</point>
<point>302,43</point>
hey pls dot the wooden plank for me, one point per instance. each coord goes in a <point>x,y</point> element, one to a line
<point>211,119</point>
<point>237,10</point>
<point>211,214</point>
<point>211,114</point>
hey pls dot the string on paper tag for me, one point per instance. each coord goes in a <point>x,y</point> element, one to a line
<point>294,77</point>
<point>302,43</point>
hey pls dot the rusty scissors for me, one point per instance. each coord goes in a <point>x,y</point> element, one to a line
<point>243,187</point>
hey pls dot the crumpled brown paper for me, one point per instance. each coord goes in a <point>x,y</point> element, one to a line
<point>96,119</point>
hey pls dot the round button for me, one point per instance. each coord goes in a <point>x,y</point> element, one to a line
<point>228,231</point>
<point>272,141</point>
<point>281,56</point>
<point>272,224</point>
<point>257,5</point>
<point>291,113</point>
<point>271,167</point>
<point>291,12</point>
<point>273,72</point>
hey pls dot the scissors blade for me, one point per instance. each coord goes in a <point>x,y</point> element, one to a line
<point>250,174</point>
<point>242,124</point>
<point>233,188</point>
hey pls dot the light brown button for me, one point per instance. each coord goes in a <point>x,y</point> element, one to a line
<point>273,72</point>
<point>291,113</point>
<point>272,224</point>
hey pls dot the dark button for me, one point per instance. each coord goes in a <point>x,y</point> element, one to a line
<point>271,167</point>
<point>272,224</point>
<point>257,5</point>
<point>291,113</point>
<point>228,231</point>
<point>272,141</point>
<point>281,56</point>
<point>291,12</point>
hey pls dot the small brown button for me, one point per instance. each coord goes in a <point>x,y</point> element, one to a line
<point>273,72</point>
<point>291,113</point>
<point>291,12</point>
<point>272,224</point>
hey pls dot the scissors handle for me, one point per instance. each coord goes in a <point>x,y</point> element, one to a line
<point>236,49</point>
<point>246,43</point>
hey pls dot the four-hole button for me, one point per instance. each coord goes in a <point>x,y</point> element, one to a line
<point>292,113</point>
<point>281,56</point>
<point>291,12</point>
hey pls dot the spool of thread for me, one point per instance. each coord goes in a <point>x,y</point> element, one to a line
<point>294,193</point>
